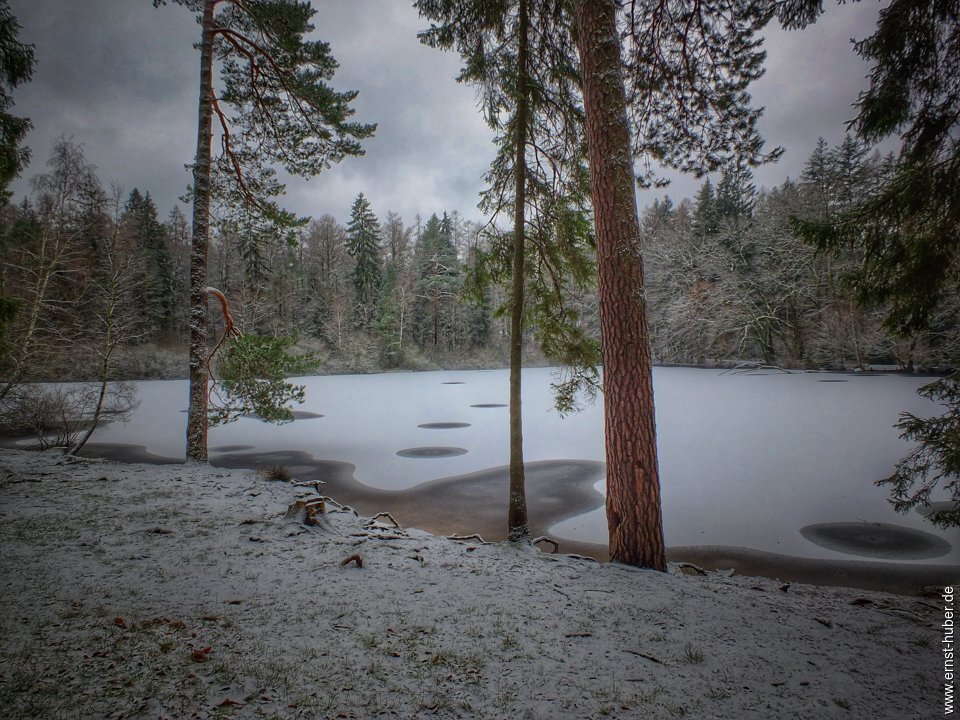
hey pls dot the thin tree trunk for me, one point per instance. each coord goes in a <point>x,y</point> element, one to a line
<point>436,317</point>
<point>517,525</point>
<point>25,351</point>
<point>633,486</point>
<point>97,411</point>
<point>199,374</point>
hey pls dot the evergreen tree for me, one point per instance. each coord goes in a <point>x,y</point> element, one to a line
<point>735,193</point>
<point>909,227</point>
<point>705,215</point>
<point>16,67</point>
<point>688,119</point>
<point>817,178</point>
<point>437,281</point>
<point>274,81</point>
<point>537,176</point>
<point>363,244</point>
<point>849,172</point>
<point>155,286</point>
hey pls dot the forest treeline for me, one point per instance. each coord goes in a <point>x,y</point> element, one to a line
<point>729,276</point>
<point>729,280</point>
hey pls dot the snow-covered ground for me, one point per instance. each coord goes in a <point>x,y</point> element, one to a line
<point>746,460</point>
<point>180,591</point>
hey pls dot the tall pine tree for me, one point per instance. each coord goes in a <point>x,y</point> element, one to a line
<point>273,105</point>
<point>687,66</point>
<point>519,56</point>
<point>363,244</point>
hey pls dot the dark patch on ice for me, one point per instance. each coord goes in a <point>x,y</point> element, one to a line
<point>939,506</point>
<point>231,448</point>
<point>128,453</point>
<point>454,382</point>
<point>444,425</point>
<point>297,415</point>
<point>431,452</point>
<point>489,405</point>
<point>878,540</point>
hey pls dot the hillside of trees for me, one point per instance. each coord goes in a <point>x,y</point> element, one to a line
<point>729,280</point>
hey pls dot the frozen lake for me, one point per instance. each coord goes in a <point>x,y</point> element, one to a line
<point>746,460</point>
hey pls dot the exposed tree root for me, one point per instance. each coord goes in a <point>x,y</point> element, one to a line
<point>356,559</point>
<point>372,522</point>
<point>545,539</point>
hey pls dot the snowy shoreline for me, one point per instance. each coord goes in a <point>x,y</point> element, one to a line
<point>476,503</point>
<point>180,591</point>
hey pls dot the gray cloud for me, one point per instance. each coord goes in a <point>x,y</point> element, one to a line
<point>120,77</point>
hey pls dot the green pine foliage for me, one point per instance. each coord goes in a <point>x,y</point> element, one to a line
<point>935,460</point>
<point>253,377</point>
<point>16,67</point>
<point>363,244</point>
<point>153,280</point>
<point>907,227</point>
<point>558,244</point>
<point>438,280</point>
<point>688,67</point>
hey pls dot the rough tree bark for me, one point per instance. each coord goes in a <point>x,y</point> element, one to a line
<point>633,485</point>
<point>199,373</point>
<point>517,524</point>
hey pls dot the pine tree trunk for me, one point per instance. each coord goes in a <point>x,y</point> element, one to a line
<point>199,374</point>
<point>517,525</point>
<point>633,486</point>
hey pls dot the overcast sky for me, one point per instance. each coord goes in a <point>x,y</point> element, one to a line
<point>120,77</point>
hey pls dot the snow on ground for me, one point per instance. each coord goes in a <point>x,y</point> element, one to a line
<point>183,592</point>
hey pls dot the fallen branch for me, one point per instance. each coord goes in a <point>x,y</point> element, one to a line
<point>468,537</point>
<point>315,484</point>
<point>379,535</point>
<point>355,558</point>
<point>694,569</point>
<point>651,658</point>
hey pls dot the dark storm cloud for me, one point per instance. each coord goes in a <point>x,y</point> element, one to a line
<point>120,77</point>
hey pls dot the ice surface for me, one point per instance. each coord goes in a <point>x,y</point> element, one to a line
<point>745,459</point>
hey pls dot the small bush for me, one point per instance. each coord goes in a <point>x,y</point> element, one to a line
<point>280,473</point>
